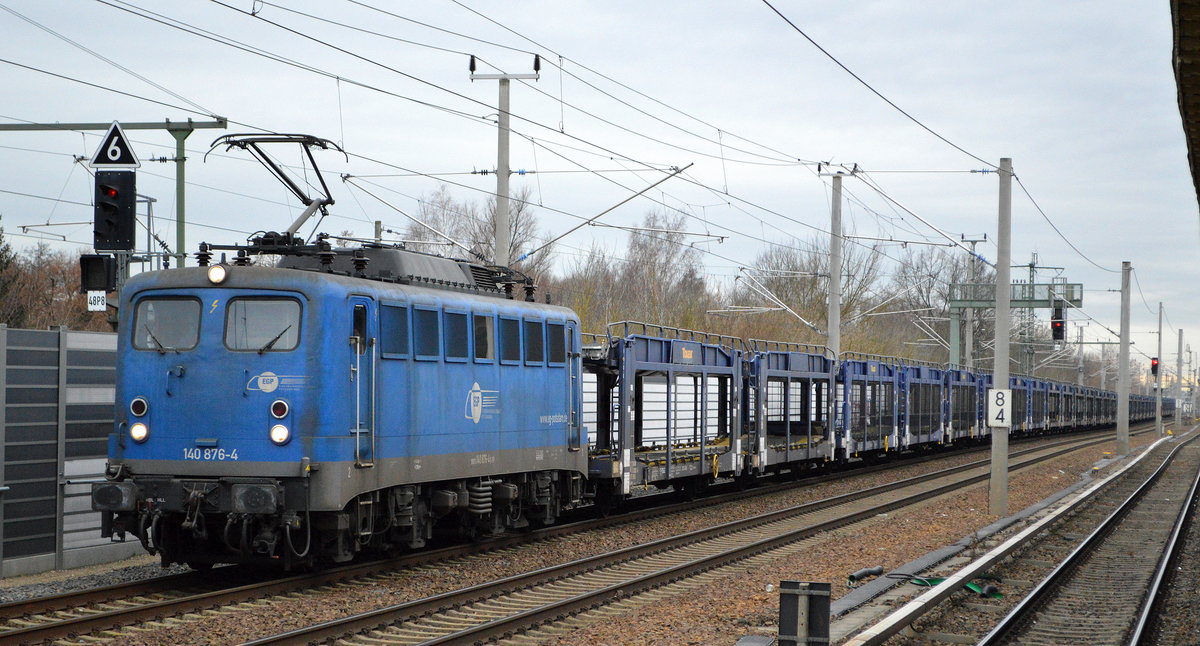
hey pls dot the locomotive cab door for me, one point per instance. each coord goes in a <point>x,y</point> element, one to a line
<point>363,348</point>
<point>574,384</point>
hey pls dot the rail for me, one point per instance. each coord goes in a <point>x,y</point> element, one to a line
<point>675,558</point>
<point>1166,564</point>
<point>896,622</point>
<point>863,356</point>
<point>1020,614</point>
<point>762,345</point>
<point>628,328</point>
<point>921,363</point>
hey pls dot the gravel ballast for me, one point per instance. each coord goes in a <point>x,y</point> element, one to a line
<point>716,613</point>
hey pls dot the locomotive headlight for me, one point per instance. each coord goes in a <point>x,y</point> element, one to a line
<point>280,434</point>
<point>217,274</point>
<point>139,432</point>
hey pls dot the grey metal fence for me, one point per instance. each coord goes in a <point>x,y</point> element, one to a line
<point>56,411</point>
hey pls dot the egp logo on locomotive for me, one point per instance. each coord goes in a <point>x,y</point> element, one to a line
<point>269,382</point>
<point>479,401</point>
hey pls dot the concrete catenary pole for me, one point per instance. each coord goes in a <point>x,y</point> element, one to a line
<point>1104,367</point>
<point>1123,366</point>
<point>1179,383</point>
<point>835,269</point>
<point>1158,418</point>
<point>1079,369</point>
<point>503,232</point>
<point>503,226</point>
<point>998,483</point>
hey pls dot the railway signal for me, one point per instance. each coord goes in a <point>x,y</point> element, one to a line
<point>1154,366</point>
<point>1058,325</point>
<point>116,196</point>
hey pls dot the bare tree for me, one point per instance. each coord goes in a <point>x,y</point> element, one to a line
<point>40,289</point>
<point>660,280</point>
<point>467,224</point>
<point>798,275</point>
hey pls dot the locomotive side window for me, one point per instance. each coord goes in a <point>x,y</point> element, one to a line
<point>262,324</point>
<point>485,338</point>
<point>164,324</point>
<point>556,337</point>
<point>428,337</point>
<point>456,336</point>
<point>510,340</point>
<point>393,321</point>
<point>535,343</point>
<point>359,333</point>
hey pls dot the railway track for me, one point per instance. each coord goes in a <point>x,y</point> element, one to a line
<point>1101,593</point>
<point>501,609</point>
<point>1077,576</point>
<point>1170,619</point>
<point>102,609</point>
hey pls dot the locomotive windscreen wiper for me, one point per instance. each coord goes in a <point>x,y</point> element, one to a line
<point>270,344</point>
<point>162,349</point>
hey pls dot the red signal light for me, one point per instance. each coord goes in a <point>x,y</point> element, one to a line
<point>279,409</point>
<point>109,191</point>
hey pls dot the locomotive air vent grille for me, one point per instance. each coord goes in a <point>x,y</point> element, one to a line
<point>483,277</point>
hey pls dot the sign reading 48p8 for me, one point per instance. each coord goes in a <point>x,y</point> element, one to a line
<point>999,408</point>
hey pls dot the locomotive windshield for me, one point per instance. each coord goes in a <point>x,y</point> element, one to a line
<point>262,324</point>
<point>166,324</point>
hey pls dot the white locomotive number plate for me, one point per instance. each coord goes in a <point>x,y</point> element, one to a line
<point>209,454</point>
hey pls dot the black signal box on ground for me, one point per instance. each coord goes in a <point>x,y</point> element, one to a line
<point>115,218</point>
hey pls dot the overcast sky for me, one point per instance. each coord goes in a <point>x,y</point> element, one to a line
<point>1080,94</point>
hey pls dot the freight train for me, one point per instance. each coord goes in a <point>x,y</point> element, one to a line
<point>344,400</point>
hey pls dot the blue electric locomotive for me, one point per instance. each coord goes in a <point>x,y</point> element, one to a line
<point>340,401</point>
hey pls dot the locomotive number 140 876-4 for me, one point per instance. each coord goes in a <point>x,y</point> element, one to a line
<point>209,454</point>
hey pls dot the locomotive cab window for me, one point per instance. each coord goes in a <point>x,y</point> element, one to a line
<point>358,335</point>
<point>262,324</point>
<point>166,324</point>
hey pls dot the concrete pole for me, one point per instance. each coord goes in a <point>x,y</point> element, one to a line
<point>998,482</point>
<point>1123,366</point>
<point>378,232</point>
<point>1104,367</point>
<point>955,338</point>
<point>1158,419</point>
<point>1079,370</point>
<point>835,269</point>
<point>1027,322</point>
<point>1179,384</point>
<point>180,135</point>
<point>969,319</point>
<point>502,231</point>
